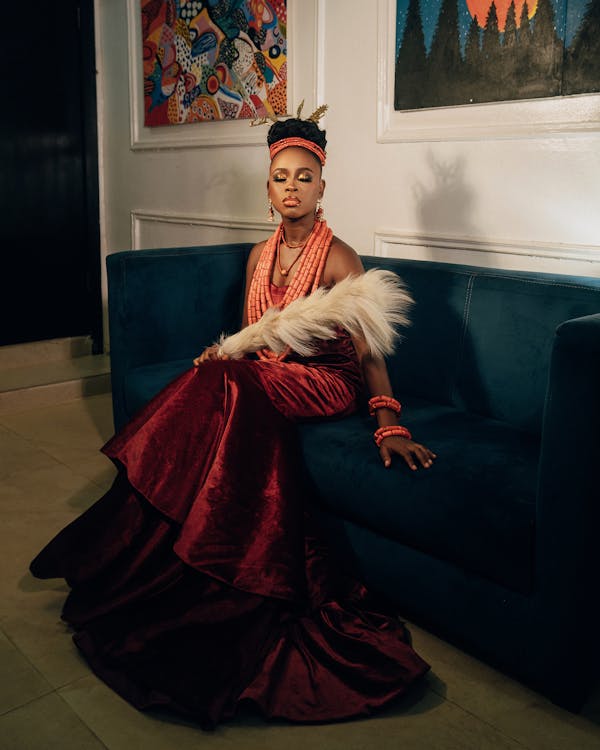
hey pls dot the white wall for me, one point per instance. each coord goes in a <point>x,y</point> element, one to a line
<point>511,201</point>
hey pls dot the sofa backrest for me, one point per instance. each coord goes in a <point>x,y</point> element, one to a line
<point>481,338</point>
<point>166,304</point>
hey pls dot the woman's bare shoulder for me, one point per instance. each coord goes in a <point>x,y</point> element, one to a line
<point>255,254</point>
<point>342,261</point>
<point>257,249</point>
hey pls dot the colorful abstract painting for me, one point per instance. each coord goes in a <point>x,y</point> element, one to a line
<point>207,60</point>
<point>451,52</point>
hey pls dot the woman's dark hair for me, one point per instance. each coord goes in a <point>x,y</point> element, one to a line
<point>295,128</point>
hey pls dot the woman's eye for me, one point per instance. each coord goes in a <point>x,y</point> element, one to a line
<point>300,178</point>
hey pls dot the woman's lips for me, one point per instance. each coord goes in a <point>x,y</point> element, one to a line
<point>291,202</point>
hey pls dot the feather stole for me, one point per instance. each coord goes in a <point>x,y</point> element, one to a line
<point>370,306</point>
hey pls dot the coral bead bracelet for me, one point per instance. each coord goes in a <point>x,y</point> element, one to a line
<point>387,402</point>
<point>384,402</point>
<point>389,431</point>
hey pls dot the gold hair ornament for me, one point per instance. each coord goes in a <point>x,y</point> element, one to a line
<point>315,117</point>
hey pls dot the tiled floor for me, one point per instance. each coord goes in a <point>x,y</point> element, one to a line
<point>50,471</point>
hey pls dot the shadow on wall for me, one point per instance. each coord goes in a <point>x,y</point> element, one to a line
<point>448,203</point>
<point>445,209</point>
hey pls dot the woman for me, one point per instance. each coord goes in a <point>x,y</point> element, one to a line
<point>199,581</point>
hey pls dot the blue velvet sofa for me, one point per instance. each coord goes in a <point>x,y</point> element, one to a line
<point>496,547</point>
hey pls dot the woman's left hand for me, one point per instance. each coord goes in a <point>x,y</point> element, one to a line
<point>410,451</point>
<point>211,352</point>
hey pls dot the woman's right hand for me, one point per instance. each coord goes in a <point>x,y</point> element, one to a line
<point>211,352</point>
<point>410,451</point>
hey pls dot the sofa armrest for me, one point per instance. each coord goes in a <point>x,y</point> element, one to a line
<point>580,334</point>
<point>568,513</point>
<point>167,305</point>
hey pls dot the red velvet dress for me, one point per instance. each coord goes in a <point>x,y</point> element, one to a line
<point>199,581</point>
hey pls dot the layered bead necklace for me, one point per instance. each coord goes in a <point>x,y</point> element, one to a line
<point>306,280</point>
<point>298,246</point>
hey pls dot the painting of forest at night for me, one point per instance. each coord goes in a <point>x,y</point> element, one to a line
<point>453,52</point>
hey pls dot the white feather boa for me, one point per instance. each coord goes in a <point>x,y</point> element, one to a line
<point>369,306</point>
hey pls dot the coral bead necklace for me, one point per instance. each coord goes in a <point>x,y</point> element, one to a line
<point>294,245</point>
<point>307,278</point>
<point>299,246</point>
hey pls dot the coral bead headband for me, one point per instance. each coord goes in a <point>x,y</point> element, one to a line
<point>278,146</point>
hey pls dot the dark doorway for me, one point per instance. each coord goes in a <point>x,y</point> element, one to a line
<point>49,228</point>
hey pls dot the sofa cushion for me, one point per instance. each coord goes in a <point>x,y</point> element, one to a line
<point>475,507</point>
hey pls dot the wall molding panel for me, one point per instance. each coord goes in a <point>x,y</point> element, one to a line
<point>582,260</point>
<point>156,229</point>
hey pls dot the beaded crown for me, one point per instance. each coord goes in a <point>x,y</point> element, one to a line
<point>314,148</point>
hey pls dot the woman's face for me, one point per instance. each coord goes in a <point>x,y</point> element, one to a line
<point>295,183</point>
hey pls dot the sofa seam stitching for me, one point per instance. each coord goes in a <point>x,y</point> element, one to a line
<point>538,282</point>
<point>541,282</point>
<point>463,335</point>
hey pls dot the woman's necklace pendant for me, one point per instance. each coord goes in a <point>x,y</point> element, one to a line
<point>284,271</point>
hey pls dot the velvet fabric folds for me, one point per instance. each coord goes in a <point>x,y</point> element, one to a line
<point>200,581</point>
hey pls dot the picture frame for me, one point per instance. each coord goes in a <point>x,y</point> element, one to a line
<point>531,118</point>
<point>304,63</point>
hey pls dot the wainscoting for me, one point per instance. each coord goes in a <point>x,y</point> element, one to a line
<point>154,229</point>
<point>577,260</point>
